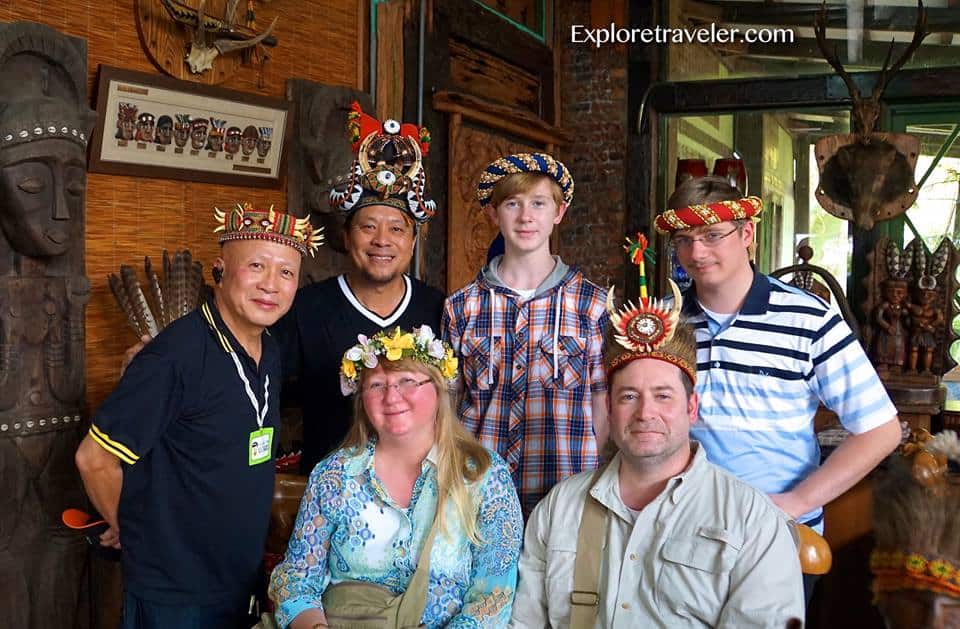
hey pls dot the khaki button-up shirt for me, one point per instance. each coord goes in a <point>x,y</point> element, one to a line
<point>708,551</point>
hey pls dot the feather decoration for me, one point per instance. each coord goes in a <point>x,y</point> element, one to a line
<point>140,306</point>
<point>177,293</point>
<point>182,265</point>
<point>156,293</point>
<point>123,300</point>
<point>167,275</point>
<point>919,258</point>
<point>938,259</point>
<point>898,263</point>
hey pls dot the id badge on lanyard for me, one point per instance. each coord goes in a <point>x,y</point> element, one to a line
<point>261,440</point>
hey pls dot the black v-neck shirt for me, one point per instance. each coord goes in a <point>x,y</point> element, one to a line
<point>323,323</point>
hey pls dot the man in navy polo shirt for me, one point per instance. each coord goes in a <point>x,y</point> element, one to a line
<point>767,355</point>
<point>179,458</point>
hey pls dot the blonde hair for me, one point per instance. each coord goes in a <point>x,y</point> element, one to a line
<point>709,189</point>
<point>461,457</point>
<point>517,183</point>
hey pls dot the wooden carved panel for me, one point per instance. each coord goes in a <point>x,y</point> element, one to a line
<point>320,152</point>
<point>479,73</point>
<point>469,230</point>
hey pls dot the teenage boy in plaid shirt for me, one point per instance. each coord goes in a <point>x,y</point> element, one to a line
<point>529,333</point>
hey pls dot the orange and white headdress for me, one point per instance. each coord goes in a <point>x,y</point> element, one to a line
<point>650,329</point>
<point>388,169</point>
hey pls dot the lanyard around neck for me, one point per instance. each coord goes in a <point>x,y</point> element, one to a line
<point>258,413</point>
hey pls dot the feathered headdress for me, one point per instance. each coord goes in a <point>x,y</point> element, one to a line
<point>388,169</point>
<point>650,329</point>
<point>244,222</point>
<point>915,519</point>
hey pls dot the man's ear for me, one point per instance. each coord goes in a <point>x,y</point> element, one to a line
<point>491,213</point>
<point>561,211</point>
<point>693,407</point>
<point>749,232</point>
<point>217,271</point>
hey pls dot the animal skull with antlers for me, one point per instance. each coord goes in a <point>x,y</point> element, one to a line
<point>867,176</point>
<point>227,35</point>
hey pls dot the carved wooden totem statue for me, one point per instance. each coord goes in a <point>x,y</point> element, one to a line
<point>909,296</point>
<point>320,153</point>
<point>44,127</point>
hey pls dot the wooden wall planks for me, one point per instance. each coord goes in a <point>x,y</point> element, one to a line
<point>127,218</point>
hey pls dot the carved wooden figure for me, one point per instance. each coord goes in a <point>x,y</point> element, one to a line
<point>909,296</point>
<point>890,344</point>
<point>44,126</point>
<point>320,153</point>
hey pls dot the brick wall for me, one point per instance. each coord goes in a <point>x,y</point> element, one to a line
<point>593,95</point>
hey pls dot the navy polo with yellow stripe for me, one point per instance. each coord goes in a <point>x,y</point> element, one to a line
<point>193,511</point>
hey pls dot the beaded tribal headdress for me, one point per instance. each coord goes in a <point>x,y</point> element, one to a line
<point>707,214</point>
<point>388,169</point>
<point>244,222</point>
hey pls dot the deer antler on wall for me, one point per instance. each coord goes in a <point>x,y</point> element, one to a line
<point>867,176</point>
<point>211,36</point>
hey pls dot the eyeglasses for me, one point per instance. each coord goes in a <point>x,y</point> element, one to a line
<point>710,239</point>
<point>405,386</point>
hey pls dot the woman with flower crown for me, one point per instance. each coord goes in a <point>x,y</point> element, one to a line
<point>411,522</point>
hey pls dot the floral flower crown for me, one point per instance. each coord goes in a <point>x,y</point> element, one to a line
<point>421,344</point>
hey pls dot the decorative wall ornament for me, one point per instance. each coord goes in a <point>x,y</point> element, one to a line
<point>44,126</point>
<point>866,176</point>
<point>320,152</point>
<point>197,40</point>
<point>204,137</point>
<point>178,290</point>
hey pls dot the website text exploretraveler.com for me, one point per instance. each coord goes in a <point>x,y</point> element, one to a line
<point>706,34</point>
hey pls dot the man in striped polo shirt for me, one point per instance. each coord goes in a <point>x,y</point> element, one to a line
<point>767,355</point>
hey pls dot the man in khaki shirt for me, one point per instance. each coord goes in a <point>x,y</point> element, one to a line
<point>667,538</point>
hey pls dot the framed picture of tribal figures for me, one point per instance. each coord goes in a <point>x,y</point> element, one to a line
<point>156,126</point>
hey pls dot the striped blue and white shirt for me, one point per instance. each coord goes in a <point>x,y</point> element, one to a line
<point>761,377</point>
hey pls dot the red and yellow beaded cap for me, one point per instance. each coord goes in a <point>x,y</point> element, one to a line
<point>245,222</point>
<point>707,214</point>
<point>650,329</point>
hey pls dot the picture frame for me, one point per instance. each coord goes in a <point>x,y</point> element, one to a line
<point>155,126</point>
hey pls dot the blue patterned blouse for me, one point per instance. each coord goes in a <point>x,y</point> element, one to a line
<point>349,528</point>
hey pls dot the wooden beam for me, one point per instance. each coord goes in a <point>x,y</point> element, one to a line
<point>732,95</point>
<point>390,67</point>
<point>516,122</point>
<point>874,52</point>
<point>888,18</point>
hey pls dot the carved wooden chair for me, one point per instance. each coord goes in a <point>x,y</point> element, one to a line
<point>818,281</point>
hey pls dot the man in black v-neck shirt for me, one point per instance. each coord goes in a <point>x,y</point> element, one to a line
<point>324,322</point>
<point>381,214</point>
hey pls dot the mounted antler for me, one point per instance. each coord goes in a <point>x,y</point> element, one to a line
<point>867,176</point>
<point>228,35</point>
<point>866,112</point>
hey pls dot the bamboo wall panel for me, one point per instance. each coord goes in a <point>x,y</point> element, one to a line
<point>127,218</point>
